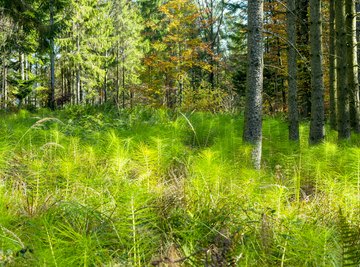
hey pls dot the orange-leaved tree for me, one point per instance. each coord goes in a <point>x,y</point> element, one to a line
<point>174,63</point>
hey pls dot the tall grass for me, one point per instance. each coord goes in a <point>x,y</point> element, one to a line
<point>91,186</point>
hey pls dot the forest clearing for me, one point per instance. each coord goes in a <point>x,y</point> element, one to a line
<point>179,133</point>
<point>90,187</point>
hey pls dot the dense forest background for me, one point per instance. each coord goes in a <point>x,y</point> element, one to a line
<point>187,54</point>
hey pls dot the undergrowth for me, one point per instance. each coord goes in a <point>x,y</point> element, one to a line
<point>88,186</point>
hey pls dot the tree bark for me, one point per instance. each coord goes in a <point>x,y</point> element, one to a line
<point>51,100</point>
<point>303,75</point>
<point>352,67</point>
<point>4,83</point>
<point>357,10</point>
<point>332,67</point>
<point>341,85</point>
<point>253,106</point>
<point>317,124</point>
<point>293,115</point>
<point>22,66</point>
<point>78,79</point>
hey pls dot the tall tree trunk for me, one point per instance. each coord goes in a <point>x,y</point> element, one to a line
<point>293,115</point>
<point>123,82</point>
<point>51,100</point>
<point>352,67</point>
<point>117,83</point>
<point>4,83</point>
<point>332,67</point>
<point>26,75</point>
<point>35,94</point>
<point>253,106</point>
<point>341,85</point>
<point>303,75</point>
<point>78,79</point>
<point>22,74</point>
<point>317,124</point>
<point>22,66</point>
<point>212,45</point>
<point>357,10</point>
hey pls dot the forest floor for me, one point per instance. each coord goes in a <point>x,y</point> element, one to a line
<point>89,186</point>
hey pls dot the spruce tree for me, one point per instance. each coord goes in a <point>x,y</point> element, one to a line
<point>253,106</point>
<point>332,66</point>
<point>293,116</point>
<point>317,124</point>
<point>341,69</point>
<point>352,65</point>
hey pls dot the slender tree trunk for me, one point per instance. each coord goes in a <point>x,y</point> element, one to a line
<point>4,83</point>
<point>35,94</point>
<point>26,75</point>
<point>70,85</point>
<point>212,46</point>
<point>22,74</point>
<point>317,124</point>
<point>105,87</point>
<point>253,106</point>
<point>78,82</point>
<point>78,79</point>
<point>357,9</point>
<point>341,85</point>
<point>123,82</point>
<point>352,67</point>
<point>63,85</point>
<point>293,115</point>
<point>332,66</point>
<point>51,99</point>
<point>22,66</point>
<point>303,75</point>
<point>117,76</point>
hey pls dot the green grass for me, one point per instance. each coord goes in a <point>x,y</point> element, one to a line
<point>91,186</point>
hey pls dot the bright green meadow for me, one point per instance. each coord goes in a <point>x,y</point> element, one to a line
<point>88,186</point>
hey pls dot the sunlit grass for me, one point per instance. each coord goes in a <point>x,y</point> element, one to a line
<point>90,187</point>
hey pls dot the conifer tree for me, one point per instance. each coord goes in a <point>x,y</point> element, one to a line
<point>352,65</point>
<point>332,66</point>
<point>304,77</point>
<point>83,48</point>
<point>341,85</point>
<point>253,106</point>
<point>317,124</point>
<point>292,72</point>
<point>128,47</point>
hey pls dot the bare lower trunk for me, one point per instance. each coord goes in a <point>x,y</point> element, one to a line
<point>105,88</point>
<point>332,66</point>
<point>52,76</point>
<point>51,97</point>
<point>253,106</point>
<point>341,85</point>
<point>22,66</point>
<point>357,9</point>
<point>292,73</point>
<point>78,80</point>
<point>317,124</point>
<point>352,71</point>
<point>123,83</point>
<point>78,85</point>
<point>4,84</point>
<point>303,75</point>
